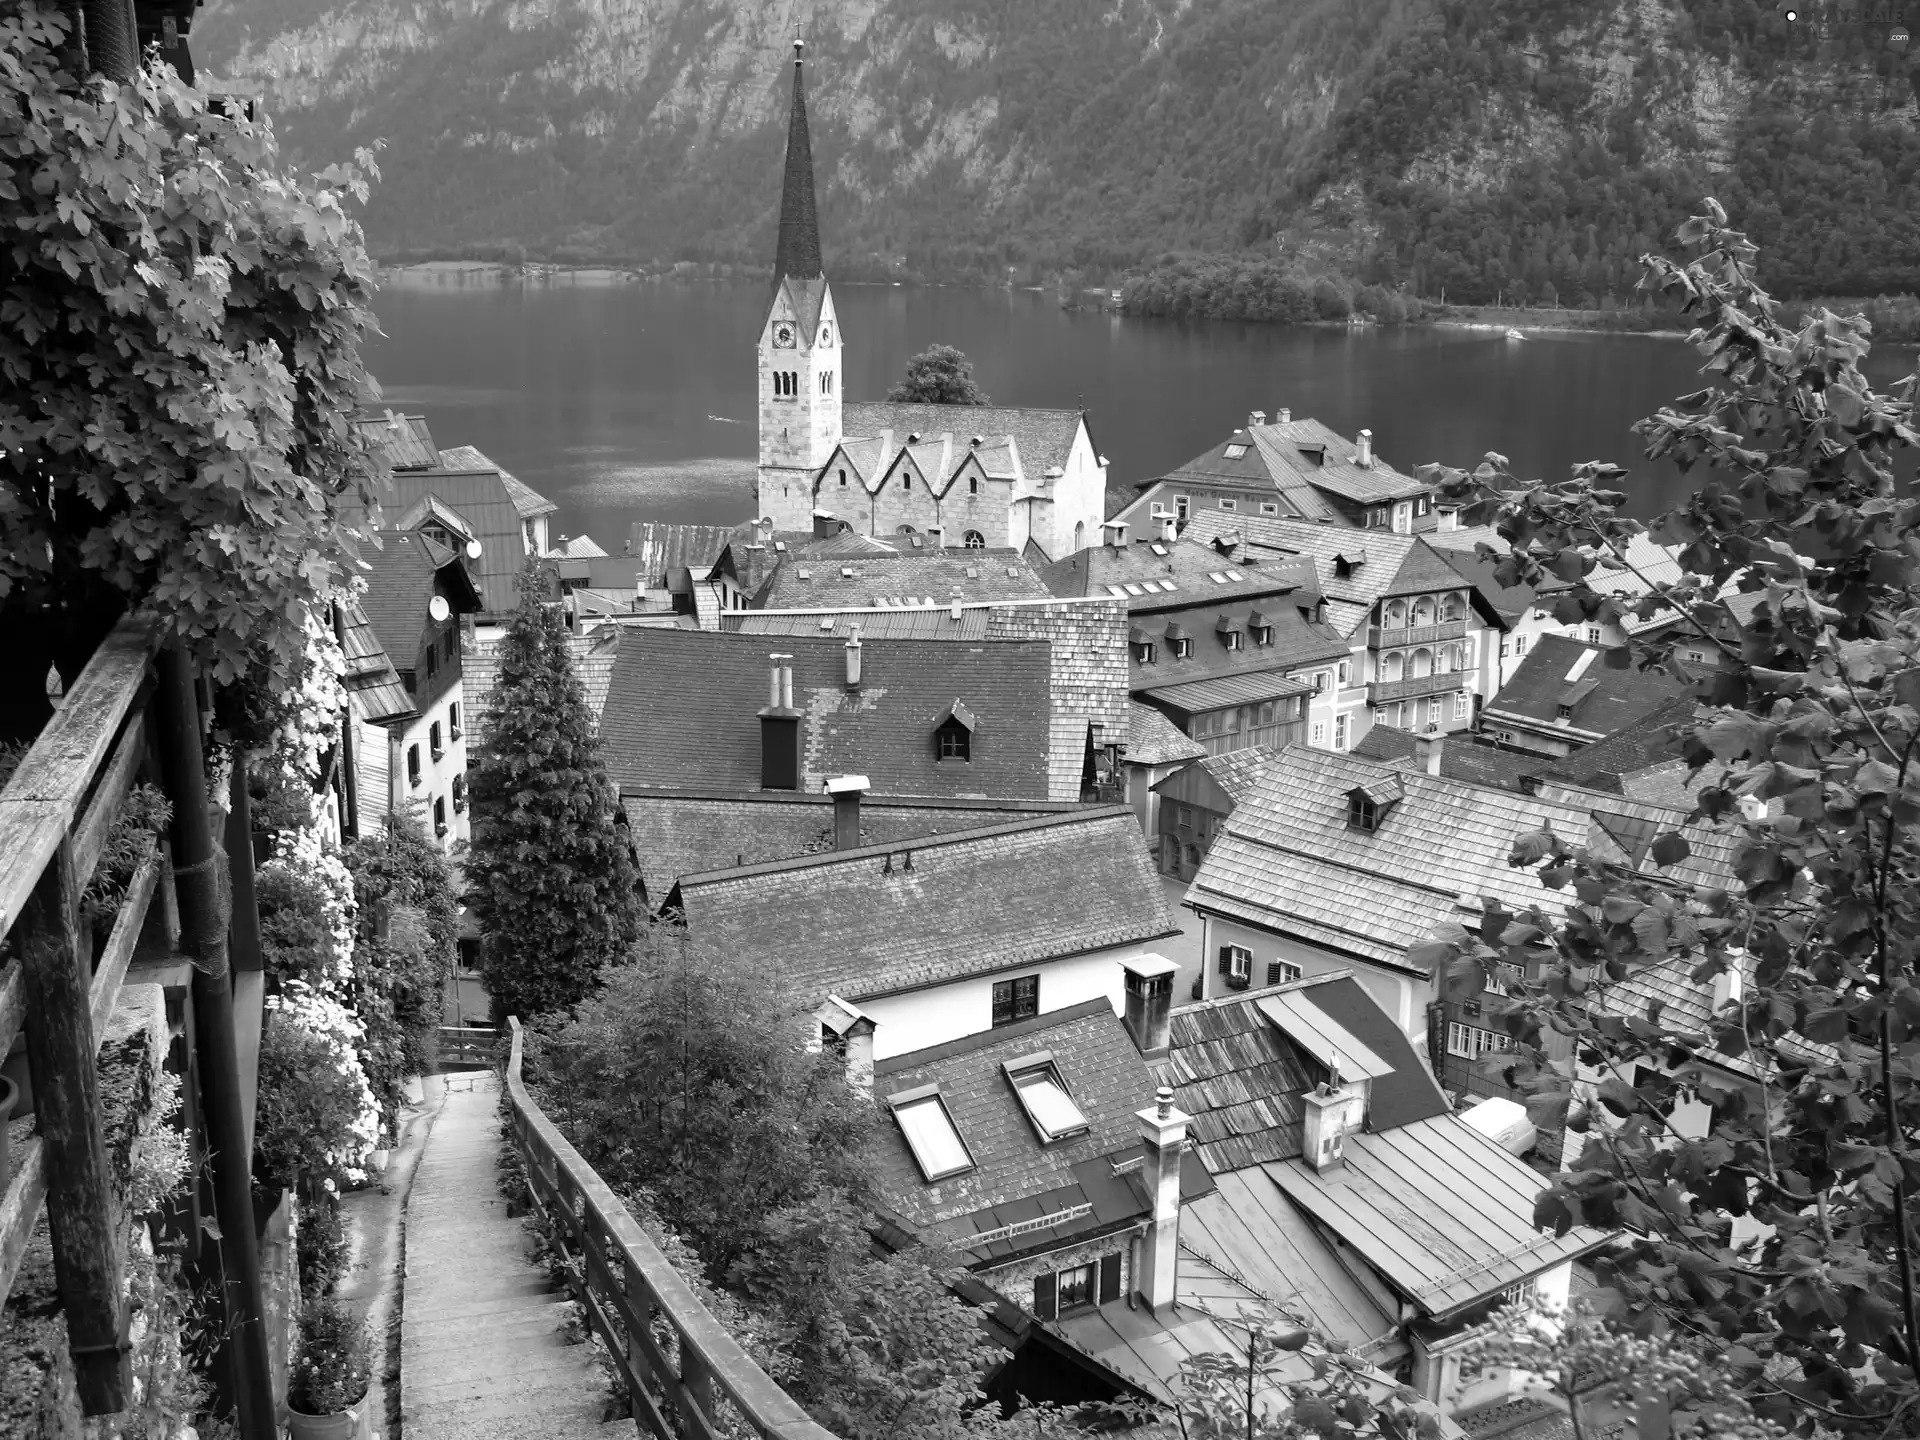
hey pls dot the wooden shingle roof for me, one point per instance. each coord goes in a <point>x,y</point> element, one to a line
<point>1152,739</point>
<point>1561,672</point>
<point>861,923</point>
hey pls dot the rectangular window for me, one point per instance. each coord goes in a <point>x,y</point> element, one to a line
<point>1593,634</point>
<point>1470,1042</point>
<point>1236,963</point>
<point>433,658</point>
<point>439,817</point>
<point>459,793</point>
<point>954,743</point>
<point>1015,1000</point>
<point>1319,732</point>
<point>1519,644</point>
<point>1044,1096</point>
<point>1460,706</point>
<point>413,765</point>
<point>1226,504</point>
<point>1339,732</point>
<point>1344,672</point>
<point>1319,682</point>
<point>1076,1287</point>
<point>1282,972</point>
<point>1181,507</point>
<point>447,645</point>
<point>1234,452</point>
<point>1420,506</point>
<point>453,721</point>
<point>931,1135</point>
<point>1269,507</point>
<point>433,740</point>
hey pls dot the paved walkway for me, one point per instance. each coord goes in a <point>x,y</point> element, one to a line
<point>480,1352</point>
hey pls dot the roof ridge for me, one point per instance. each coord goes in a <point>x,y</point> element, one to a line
<point>1087,814</point>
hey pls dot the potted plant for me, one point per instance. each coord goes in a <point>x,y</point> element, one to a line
<point>327,1391</point>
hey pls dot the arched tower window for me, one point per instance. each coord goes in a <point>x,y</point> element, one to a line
<point>1079,534</point>
<point>974,540</point>
<point>1392,666</point>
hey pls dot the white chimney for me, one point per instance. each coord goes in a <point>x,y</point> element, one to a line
<point>853,659</point>
<point>1426,752</point>
<point>1164,1131</point>
<point>1331,1112</point>
<point>1258,417</point>
<point>1149,986</point>
<point>1728,986</point>
<point>1365,459</point>
<point>1283,416</point>
<point>1169,526</point>
<point>954,612</point>
<point>847,1029</point>
<point>936,536</point>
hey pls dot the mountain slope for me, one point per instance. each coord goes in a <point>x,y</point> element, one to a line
<point>1464,144</point>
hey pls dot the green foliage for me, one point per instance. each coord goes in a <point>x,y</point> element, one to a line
<point>306,1109</point>
<point>938,375</point>
<point>333,1366</point>
<point>321,1246</point>
<point>400,967</point>
<point>144,815</point>
<point>549,875</point>
<point>181,340</point>
<point>1813,721</point>
<point>295,937</point>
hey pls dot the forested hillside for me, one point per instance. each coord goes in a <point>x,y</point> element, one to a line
<point>1523,149</point>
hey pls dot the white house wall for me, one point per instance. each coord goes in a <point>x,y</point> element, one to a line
<point>1402,996</point>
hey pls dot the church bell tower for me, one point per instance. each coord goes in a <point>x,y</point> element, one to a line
<point>800,344</point>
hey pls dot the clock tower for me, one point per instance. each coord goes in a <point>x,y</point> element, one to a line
<point>800,345</point>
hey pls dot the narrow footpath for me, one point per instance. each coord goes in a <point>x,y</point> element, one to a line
<point>481,1356</point>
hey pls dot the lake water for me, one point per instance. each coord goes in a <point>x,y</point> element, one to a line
<point>633,401</point>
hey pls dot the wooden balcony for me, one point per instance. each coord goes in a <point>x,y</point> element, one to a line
<point>692,1382</point>
<point>1378,636</point>
<point>1385,692</point>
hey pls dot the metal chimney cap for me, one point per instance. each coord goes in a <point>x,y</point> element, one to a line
<point>848,784</point>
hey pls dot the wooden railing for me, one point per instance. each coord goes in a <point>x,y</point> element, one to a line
<point>468,1046</point>
<point>55,815</point>
<point>678,1363</point>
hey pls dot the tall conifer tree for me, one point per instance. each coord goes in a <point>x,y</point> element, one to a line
<point>549,875</point>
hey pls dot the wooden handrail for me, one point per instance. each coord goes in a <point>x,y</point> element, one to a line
<point>584,1215</point>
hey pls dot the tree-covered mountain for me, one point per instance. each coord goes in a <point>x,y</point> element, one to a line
<point>1484,147</point>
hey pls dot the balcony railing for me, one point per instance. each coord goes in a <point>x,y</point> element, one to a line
<point>1383,692</point>
<point>678,1362</point>
<point>1378,636</point>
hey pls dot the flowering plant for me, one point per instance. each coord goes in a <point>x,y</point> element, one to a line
<point>333,1368</point>
<point>317,1114</point>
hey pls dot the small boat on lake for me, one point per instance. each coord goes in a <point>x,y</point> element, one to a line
<point>1515,335</point>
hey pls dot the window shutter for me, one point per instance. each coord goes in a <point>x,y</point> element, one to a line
<point>1273,972</point>
<point>1226,959</point>
<point>1109,1277</point>
<point>1045,1288</point>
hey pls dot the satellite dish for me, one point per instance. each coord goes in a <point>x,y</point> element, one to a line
<point>473,549</point>
<point>439,609</point>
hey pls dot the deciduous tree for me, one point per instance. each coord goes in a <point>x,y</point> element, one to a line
<point>938,375</point>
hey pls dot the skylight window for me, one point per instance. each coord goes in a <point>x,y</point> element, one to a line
<point>1158,548</point>
<point>826,622</point>
<point>930,1132</point>
<point>1219,577</point>
<point>1234,452</point>
<point>1117,592</point>
<point>1044,1096</point>
<point>805,573</point>
<point>1235,575</point>
<point>1132,589</point>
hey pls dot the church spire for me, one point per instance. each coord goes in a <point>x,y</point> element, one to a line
<point>799,253</point>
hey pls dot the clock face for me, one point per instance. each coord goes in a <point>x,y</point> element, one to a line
<point>783,335</point>
<point>826,335</point>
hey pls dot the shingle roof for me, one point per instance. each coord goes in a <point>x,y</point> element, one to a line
<point>527,502</point>
<point>481,498</point>
<point>1439,1210</point>
<point>909,578</point>
<point>683,706</point>
<point>1238,771</point>
<point>1389,564</point>
<point>1245,689</point>
<point>399,574</point>
<point>1290,445</point>
<point>1296,643</point>
<point>1559,671</point>
<point>372,683</point>
<point>1462,757</point>
<point>684,834</point>
<point>1087,677</point>
<point>592,656</point>
<point>656,549</point>
<point>1288,861</point>
<point>1153,575</point>
<point>1642,743</point>
<point>403,441</point>
<point>1104,1073</point>
<point>1044,437</point>
<point>975,902</point>
<point>1152,739</point>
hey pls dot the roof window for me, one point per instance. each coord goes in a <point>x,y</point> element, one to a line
<point>1235,575</point>
<point>805,573</point>
<point>1158,548</point>
<point>1219,577</point>
<point>935,1140</point>
<point>1044,1096</point>
<point>1131,588</point>
<point>1367,805</point>
<point>1234,452</point>
<point>1116,592</point>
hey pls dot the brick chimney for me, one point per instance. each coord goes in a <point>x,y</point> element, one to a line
<point>1149,1003</point>
<point>825,525</point>
<point>1365,458</point>
<point>853,658</point>
<point>846,791</point>
<point>1163,1129</point>
<point>1330,1113</point>
<point>848,1030</point>
<point>1426,752</point>
<point>780,730</point>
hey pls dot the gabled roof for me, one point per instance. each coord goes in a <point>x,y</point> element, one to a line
<point>908,578</point>
<point>1289,862</point>
<point>403,573</point>
<point>1152,739</point>
<point>403,441</point>
<point>373,686</point>
<point>578,547</point>
<point>432,508</point>
<point>657,548</point>
<point>1237,771</point>
<point>481,498</point>
<point>1462,757</point>
<point>861,923</point>
<point>683,711</point>
<point>1441,1212</point>
<point>1042,438</point>
<point>527,502</point>
<point>1388,564</point>
<point>846,542</point>
<point>1330,462</point>
<point>1560,672</point>
<point>1153,575</point>
<point>1642,744</point>
<point>1015,1176</point>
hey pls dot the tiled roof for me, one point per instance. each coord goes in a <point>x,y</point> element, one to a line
<point>399,574</point>
<point>1296,643</point>
<point>1293,445</point>
<point>403,441</point>
<point>1686,1005</point>
<point>1387,564</point>
<point>1087,677</point>
<point>679,834</point>
<point>1152,575</point>
<point>527,502</point>
<point>925,622</point>
<point>1644,742</point>
<point>973,903</point>
<point>592,655</point>
<point>1559,671</point>
<point>847,542</point>
<point>1439,1210</point>
<point>578,547</point>
<point>1104,1073</point>
<point>480,497</point>
<point>1237,771</point>
<point>1044,437</point>
<point>1288,860</point>
<point>1241,1078</point>
<point>656,549</point>
<point>910,579</point>
<point>1152,739</point>
<point>1461,757</point>
<point>372,683</point>
<point>683,712</point>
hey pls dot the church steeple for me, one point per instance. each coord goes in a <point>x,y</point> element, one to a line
<point>798,256</point>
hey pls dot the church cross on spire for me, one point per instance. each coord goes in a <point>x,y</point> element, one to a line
<point>798,255</point>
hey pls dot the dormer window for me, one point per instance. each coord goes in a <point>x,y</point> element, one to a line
<point>1179,643</point>
<point>1362,813</point>
<point>953,737</point>
<point>1260,627</point>
<point>1367,805</point>
<point>1050,1106</point>
<point>937,1146</point>
<point>1141,644</point>
<point>1229,633</point>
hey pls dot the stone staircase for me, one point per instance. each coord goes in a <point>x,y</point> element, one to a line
<point>481,1355</point>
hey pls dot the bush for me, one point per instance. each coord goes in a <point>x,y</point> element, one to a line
<point>309,1124</point>
<point>295,938</point>
<point>333,1367</point>
<point>320,1246</point>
